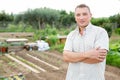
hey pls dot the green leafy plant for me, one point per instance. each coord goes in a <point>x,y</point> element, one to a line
<point>117,30</point>
<point>113,58</point>
<point>4,44</point>
<point>52,40</point>
<point>115,47</point>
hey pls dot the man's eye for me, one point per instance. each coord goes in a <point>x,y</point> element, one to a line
<point>84,14</point>
<point>78,15</point>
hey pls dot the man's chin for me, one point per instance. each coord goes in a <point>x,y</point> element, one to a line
<point>82,25</point>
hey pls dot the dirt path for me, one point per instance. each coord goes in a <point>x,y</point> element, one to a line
<point>42,59</point>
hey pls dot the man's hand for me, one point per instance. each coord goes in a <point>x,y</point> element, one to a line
<point>96,54</point>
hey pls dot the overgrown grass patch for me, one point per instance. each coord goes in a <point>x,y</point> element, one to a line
<point>58,47</point>
<point>113,59</point>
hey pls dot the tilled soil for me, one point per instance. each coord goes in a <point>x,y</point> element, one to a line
<point>9,67</point>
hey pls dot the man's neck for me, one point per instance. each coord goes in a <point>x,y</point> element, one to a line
<point>81,30</point>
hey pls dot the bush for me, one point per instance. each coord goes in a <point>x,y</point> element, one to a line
<point>58,47</point>
<point>113,58</point>
<point>117,31</point>
<point>108,28</point>
<point>115,47</point>
<point>52,40</point>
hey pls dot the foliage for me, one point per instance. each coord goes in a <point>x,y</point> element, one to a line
<point>37,35</point>
<point>115,19</point>
<point>58,47</point>
<point>108,28</point>
<point>66,19</point>
<point>4,44</point>
<point>38,17</point>
<point>99,21</point>
<point>52,40</point>
<point>115,47</point>
<point>21,27</point>
<point>49,30</point>
<point>5,19</point>
<point>13,28</point>
<point>16,44</point>
<point>117,30</point>
<point>113,58</point>
<point>43,33</point>
<point>103,22</point>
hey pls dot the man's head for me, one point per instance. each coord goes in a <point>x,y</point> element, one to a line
<point>82,15</point>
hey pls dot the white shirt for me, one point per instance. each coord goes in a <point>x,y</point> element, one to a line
<point>92,37</point>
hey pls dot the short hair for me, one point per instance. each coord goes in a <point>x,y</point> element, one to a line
<point>82,6</point>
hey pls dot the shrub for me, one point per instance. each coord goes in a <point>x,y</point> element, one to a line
<point>115,47</point>
<point>58,47</point>
<point>117,31</point>
<point>108,28</point>
<point>113,58</point>
<point>52,40</point>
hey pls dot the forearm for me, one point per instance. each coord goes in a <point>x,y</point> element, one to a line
<point>69,56</point>
<point>91,56</point>
<point>98,59</point>
<point>91,61</point>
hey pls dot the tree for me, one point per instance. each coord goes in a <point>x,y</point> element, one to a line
<point>39,17</point>
<point>66,19</point>
<point>116,20</point>
<point>5,19</point>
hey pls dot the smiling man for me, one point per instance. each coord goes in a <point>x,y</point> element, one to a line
<point>86,48</point>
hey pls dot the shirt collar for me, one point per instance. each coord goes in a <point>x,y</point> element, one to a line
<point>86,28</point>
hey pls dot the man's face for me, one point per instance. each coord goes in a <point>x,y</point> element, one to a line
<point>82,16</point>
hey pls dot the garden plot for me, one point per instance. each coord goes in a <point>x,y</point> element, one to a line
<point>52,65</point>
<point>51,62</point>
<point>9,67</point>
<point>22,63</point>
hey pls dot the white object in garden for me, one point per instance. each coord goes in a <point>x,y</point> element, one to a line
<point>42,45</point>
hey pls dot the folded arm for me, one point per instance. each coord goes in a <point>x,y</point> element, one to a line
<point>91,56</point>
<point>101,56</point>
<point>69,56</point>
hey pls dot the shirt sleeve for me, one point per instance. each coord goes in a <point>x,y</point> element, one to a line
<point>68,43</point>
<point>102,40</point>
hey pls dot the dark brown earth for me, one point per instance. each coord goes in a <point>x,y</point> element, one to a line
<point>9,67</point>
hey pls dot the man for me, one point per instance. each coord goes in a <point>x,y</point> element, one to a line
<point>86,48</point>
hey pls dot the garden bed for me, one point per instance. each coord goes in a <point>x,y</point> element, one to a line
<point>9,67</point>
